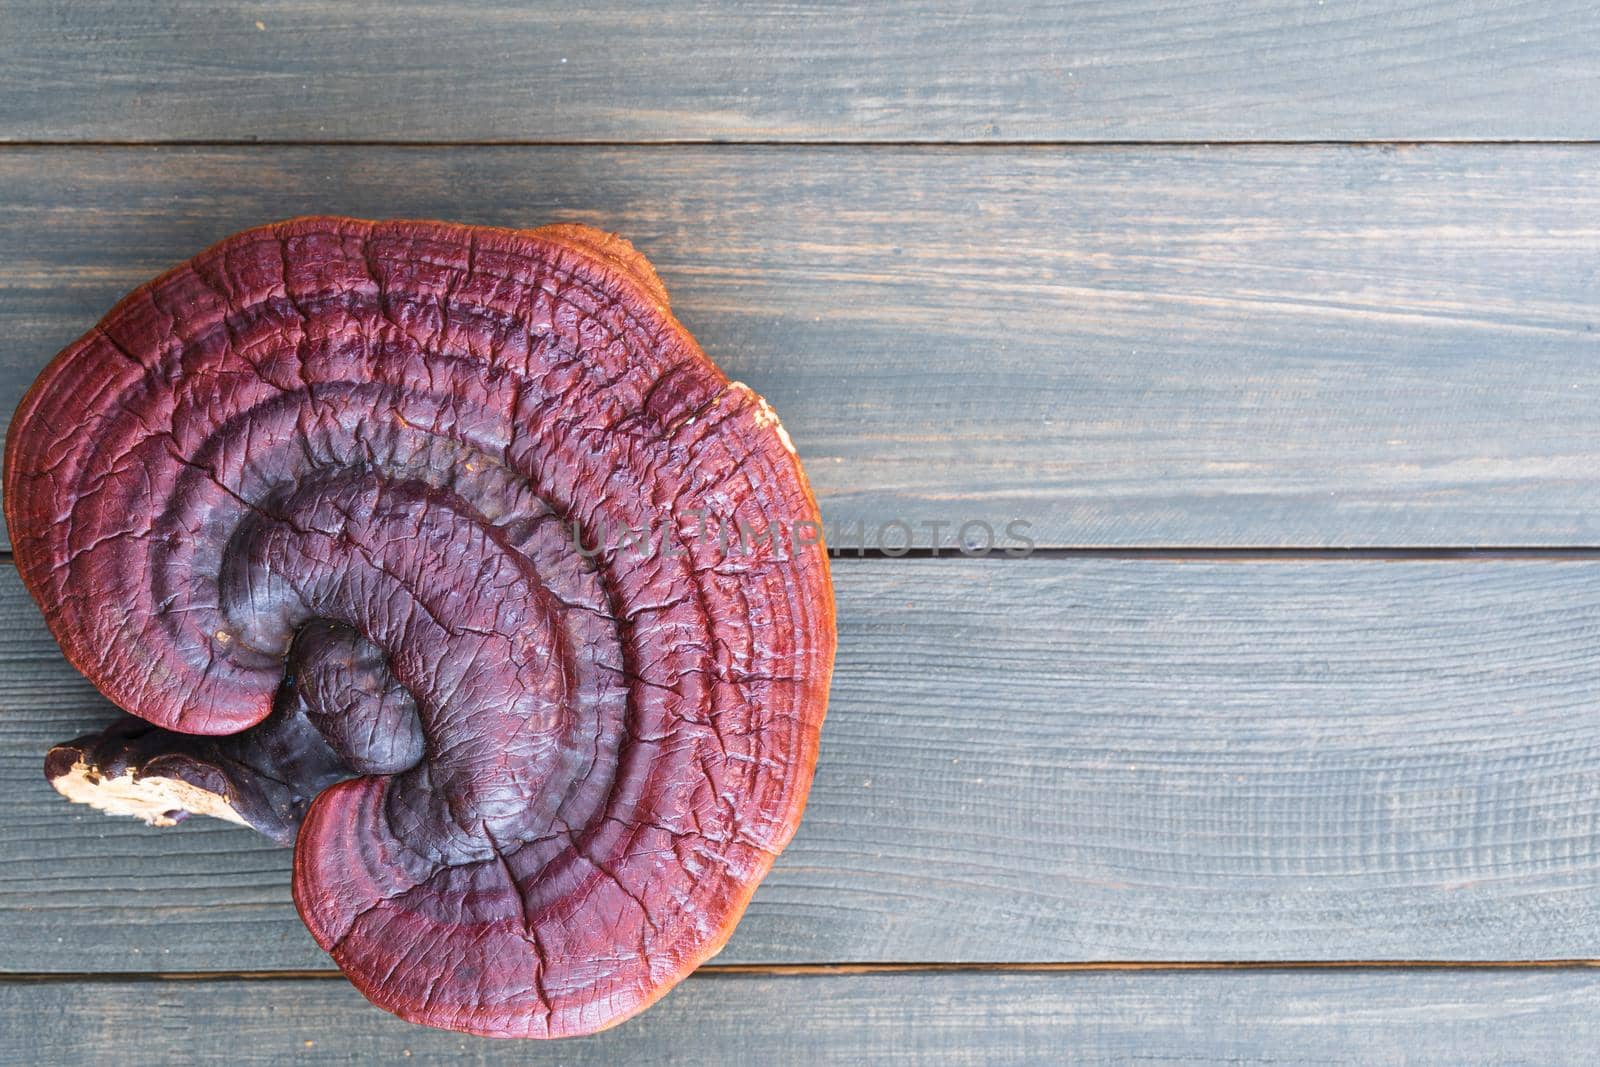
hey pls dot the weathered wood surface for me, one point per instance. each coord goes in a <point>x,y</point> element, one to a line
<point>1044,760</point>
<point>1026,761</point>
<point>1372,1017</point>
<point>1254,346</point>
<point>936,70</point>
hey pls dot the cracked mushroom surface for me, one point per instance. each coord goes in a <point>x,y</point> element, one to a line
<point>445,554</point>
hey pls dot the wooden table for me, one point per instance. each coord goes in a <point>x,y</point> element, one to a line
<point>1275,322</point>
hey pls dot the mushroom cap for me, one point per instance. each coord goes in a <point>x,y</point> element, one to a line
<point>391,465</point>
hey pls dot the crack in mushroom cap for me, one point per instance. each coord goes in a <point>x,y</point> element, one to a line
<point>382,465</point>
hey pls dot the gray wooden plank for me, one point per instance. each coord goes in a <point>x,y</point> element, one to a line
<point>1264,346</point>
<point>918,70</point>
<point>1043,760</point>
<point>1372,1017</point>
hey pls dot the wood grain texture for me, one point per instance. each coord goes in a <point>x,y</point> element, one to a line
<point>1026,761</point>
<point>938,70</point>
<point>1375,1017</point>
<point>1260,346</point>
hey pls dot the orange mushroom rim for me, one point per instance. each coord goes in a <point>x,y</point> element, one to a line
<point>305,507</point>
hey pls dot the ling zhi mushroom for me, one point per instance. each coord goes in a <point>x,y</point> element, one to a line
<point>330,511</point>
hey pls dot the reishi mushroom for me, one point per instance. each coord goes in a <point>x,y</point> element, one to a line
<point>330,509</point>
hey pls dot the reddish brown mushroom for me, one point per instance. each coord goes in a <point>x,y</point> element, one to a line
<point>334,509</point>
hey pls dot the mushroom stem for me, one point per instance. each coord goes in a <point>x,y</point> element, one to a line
<point>264,778</point>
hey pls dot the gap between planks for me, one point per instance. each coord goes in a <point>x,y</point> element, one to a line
<point>782,969</point>
<point>1245,554</point>
<point>1199,554</point>
<point>978,145</point>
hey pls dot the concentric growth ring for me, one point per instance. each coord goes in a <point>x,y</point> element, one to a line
<point>371,477</point>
